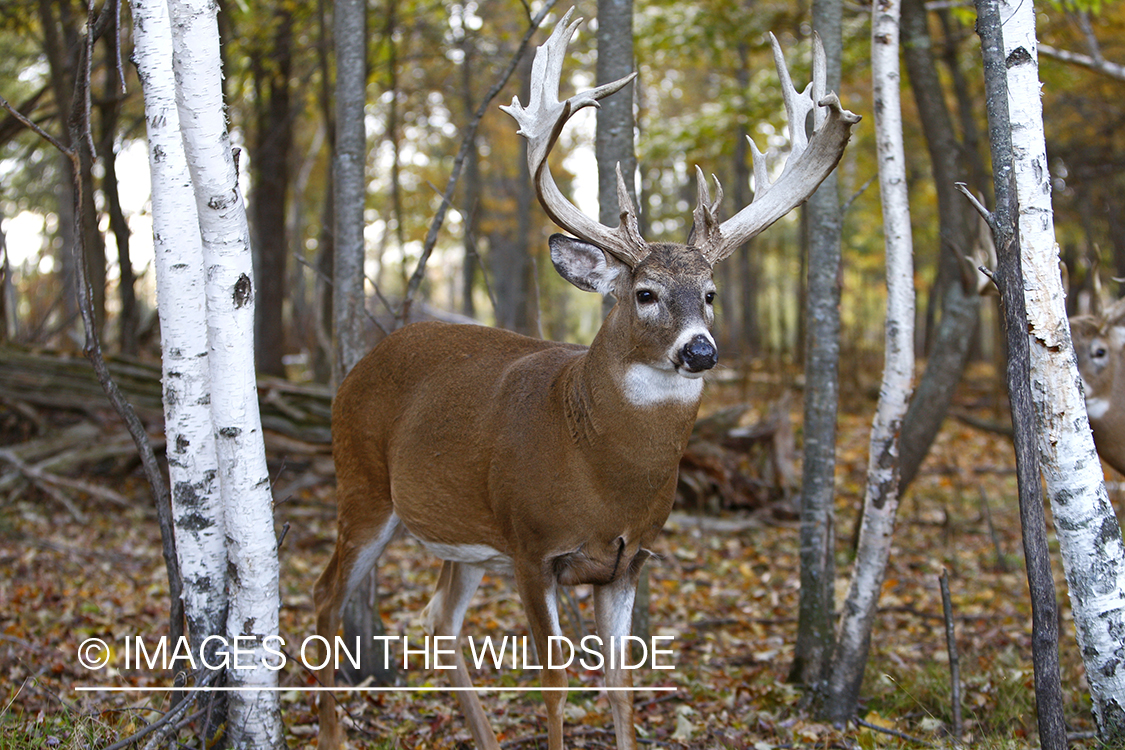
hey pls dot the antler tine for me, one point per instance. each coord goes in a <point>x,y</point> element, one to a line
<point>798,104</point>
<point>1114,315</point>
<point>628,226</point>
<point>705,222</point>
<point>810,159</point>
<point>542,121</point>
<point>1096,293</point>
<point>819,78</point>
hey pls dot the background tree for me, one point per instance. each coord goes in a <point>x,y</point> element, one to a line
<point>110,110</point>
<point>823,217</point>
<point>61,46</point>
<point>953,291</point>
<point>361,617</point>
<point>613,148</point>
<point>271,172</point>
<point>509,242</point>
<point>349,186</point>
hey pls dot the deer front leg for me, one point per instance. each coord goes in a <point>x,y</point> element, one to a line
<point>613,613</point>
<point>444,616</point>
<point>537,591</point>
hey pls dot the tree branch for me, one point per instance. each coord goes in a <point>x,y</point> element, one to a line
<point>1113,70</point>
<point>458,163</point>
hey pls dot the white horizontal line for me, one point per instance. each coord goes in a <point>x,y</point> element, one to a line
<point>320,688</point>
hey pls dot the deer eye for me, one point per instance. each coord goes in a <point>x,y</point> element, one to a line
<point>709,298</point>
<point>645,297</point>
<point>1100,352</point>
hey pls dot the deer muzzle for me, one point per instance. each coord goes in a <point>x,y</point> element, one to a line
<point>698,354</point>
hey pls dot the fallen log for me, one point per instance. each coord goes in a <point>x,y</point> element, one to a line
<point>728,465</point>
<point>54,380</point>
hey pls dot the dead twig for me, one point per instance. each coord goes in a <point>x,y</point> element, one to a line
<point>42,479</point>
<point>954,659</point>
<point>891,732</point>
<point>165,720</point>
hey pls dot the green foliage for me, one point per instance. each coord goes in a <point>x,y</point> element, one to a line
<point>62,731</point>
<point>1077,6</point>
<point>706,77</point>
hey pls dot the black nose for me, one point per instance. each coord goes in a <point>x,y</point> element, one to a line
<point>699,354</point>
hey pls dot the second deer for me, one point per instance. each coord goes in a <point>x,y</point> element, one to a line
<point>1099,345</point>
<point>553,461</point>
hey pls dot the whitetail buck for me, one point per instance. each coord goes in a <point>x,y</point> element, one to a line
<point>553,461</point>
<point>1099,345</point>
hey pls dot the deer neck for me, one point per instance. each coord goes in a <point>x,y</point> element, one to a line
<point>626,407</point>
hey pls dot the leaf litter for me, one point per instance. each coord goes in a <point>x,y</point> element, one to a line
<point>726,594</point>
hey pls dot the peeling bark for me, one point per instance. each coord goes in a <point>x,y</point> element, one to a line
<point>1089,537</point>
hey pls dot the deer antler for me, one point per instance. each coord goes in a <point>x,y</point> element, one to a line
<point>810,161</point>
<point>542,121</point>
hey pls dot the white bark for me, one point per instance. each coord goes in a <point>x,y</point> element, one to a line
<point>254,718</point>
<point>1089,536</point>
<point>192,462</point>
<point>853,636</point>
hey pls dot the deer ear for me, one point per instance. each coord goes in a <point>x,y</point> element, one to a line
<point>586,266</point>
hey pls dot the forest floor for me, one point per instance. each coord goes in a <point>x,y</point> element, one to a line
<point>725,590</point>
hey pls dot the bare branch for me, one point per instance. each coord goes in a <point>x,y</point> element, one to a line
<point>23,120</point>
<point>984,212</point>
<point>458,163</point>
<point>1113,70</point>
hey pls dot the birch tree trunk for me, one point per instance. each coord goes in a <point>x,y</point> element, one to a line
<point>192,462</point>
<point>880,503</point>
<point>948,350</point>
<point>1010,281</point>
<point>254,716</point>
<point>1089,536</point>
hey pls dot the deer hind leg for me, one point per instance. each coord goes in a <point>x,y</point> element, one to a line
<point>443,616</point>
<point>538,594</point>
<point>359,543</point>
<point>613,612</point>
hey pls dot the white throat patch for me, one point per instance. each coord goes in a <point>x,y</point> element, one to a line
<point>645,385</point>
<point>1096,408</point>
